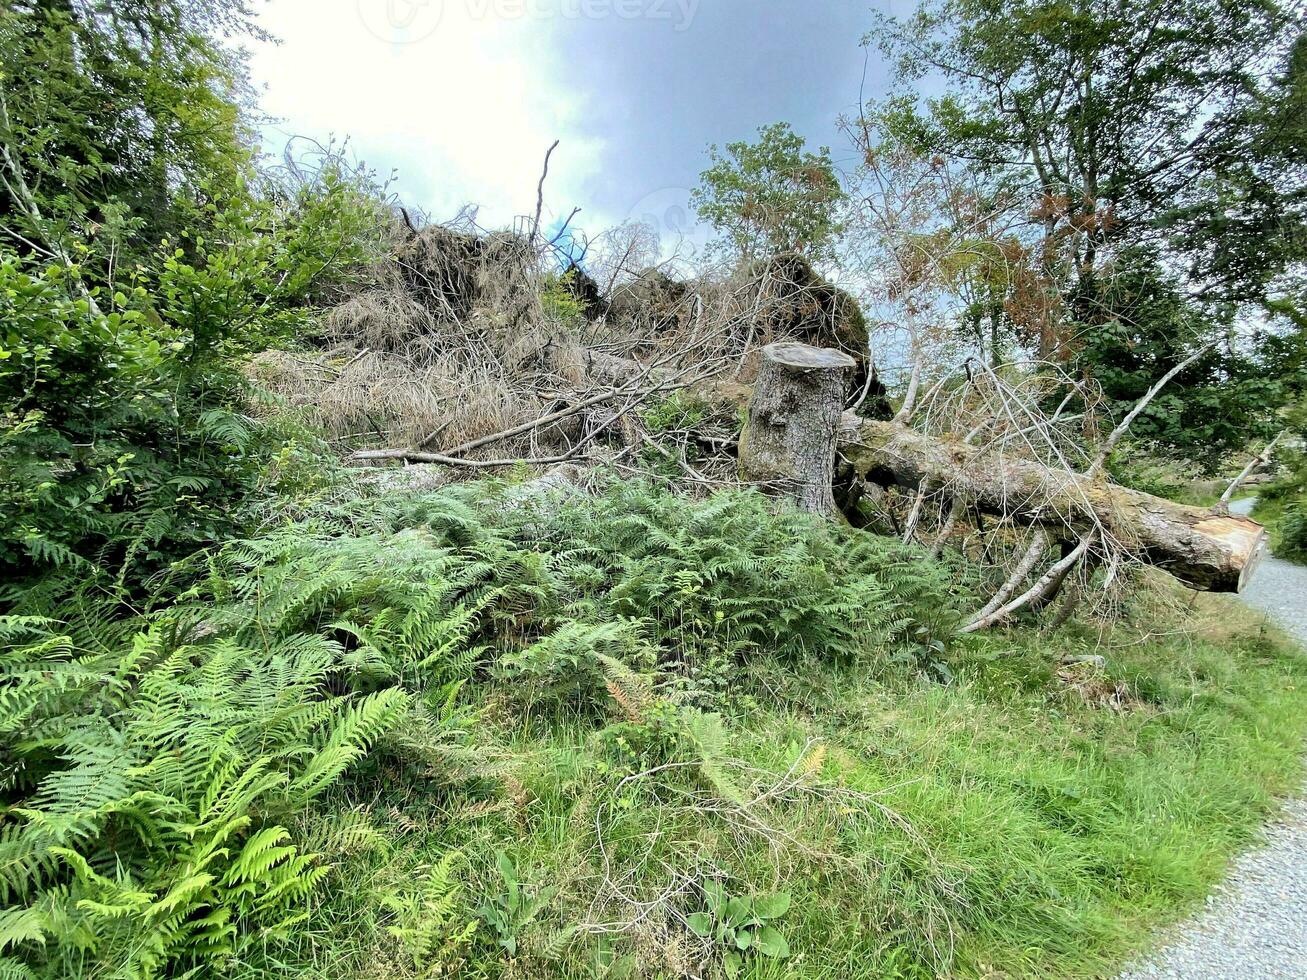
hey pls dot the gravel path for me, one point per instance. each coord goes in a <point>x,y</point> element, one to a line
<point>1255,926</point>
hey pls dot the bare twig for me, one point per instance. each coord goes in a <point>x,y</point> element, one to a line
<point>1257,462</point>
<point>540,192</point>
<point>955,511</point>
<point>1109,444</point>
<point>530,426</point>
<point>914,516</point>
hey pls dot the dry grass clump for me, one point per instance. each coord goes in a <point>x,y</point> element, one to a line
<point>378,398</point>
<point>380,320</point>
<point>464,334</point>
<point>450,343</point>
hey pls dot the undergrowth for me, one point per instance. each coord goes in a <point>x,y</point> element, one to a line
<point>489,733</point>
<point>1282,507</point>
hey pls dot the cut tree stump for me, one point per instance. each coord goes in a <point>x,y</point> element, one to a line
<point>788,443</point>
<point>797,423</point>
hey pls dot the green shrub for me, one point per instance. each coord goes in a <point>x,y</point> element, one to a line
<point>1282,505</point>
<point>736,576</point>
<point>150,782</point>
<point>1293,530</point>
<point>633,574</point>
<point>307,764</point>
<point>127,441</point>
<point>679,410</point>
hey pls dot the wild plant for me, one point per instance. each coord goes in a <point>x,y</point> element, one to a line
<point>740,926</point>
<point>146,828</point>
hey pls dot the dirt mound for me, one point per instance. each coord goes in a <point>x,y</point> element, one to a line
<point>794,302</point>
<point>651,297</point>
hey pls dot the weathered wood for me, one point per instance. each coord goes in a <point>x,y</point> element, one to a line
<point>796,424</point>
<point>794,415</point>
<point>1204,550</point>
<point>1259,461</point>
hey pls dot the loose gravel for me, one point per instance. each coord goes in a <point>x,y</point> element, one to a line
<point>1255,925</point>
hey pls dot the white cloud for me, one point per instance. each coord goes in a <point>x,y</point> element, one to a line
<point>459,99</point>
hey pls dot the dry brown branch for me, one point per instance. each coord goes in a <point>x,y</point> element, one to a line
<point>414,456</point>
<point>1040,590</point>
<point>534,424</point>
<point>1257,462</point>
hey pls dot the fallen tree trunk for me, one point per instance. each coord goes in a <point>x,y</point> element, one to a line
<point>796,424</point>
<point>1201,549</point>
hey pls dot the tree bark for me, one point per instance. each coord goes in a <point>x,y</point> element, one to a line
<point>1205,551</point>
<point>796,425</point>
<point>794,416</point>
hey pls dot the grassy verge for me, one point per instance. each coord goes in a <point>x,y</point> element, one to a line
<point>624,718</point>
<point>1283,516</point>
<point>1270,512</point>
<point>1013,823</point>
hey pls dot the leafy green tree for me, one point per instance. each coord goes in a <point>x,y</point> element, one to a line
<point>119,122</point>
<point>1100,111</point>
<point>1243,226</point>
<point>125,440</point>
<point>1148,139</point>
<point>772,196</point>
<point>1210,410</point>
<point>142,257</point>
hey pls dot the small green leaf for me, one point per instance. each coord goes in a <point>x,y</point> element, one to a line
<point>771,906</point>
<point>700,924</point>
<point>505,865</point>
<point>739,910</point>
<point>770,942</point>
<point>743,939</point>
<point>732,963</point>
<point>716,896</point>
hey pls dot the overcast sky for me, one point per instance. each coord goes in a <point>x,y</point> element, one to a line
<point>463,97</point>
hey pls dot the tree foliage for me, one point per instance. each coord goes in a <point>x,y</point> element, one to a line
<point>146,256</point>
<point>772,196</point>
<point>119,123</point>
<point>1243,226</point>
<point>1121,138</point>
<point>1210,410</point>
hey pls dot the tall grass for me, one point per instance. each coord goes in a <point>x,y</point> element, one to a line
<point>600,710</point>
